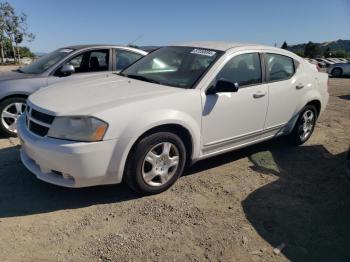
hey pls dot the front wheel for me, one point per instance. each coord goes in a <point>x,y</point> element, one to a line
<point>10,110</point>
<point>304,126</point>
<point>155,163</point>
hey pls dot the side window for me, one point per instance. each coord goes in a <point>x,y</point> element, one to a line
<point>279,67</point>
<point>243,69</point>
<point>125,58</point>
<point>90,61</point>
<point>98,60</point>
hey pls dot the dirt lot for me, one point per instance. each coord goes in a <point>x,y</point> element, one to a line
<point>236,207</point>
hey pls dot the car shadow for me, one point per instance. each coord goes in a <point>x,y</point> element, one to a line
<point>346,97</point>
<point>307,208</point>
<point>22,194</point>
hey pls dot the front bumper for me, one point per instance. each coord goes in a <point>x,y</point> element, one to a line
<point>67,163</point>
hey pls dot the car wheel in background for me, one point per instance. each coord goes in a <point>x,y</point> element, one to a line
<point>10,111</point>
<point>304,126</point>
<point>155,163</point>
<point>337,72</point>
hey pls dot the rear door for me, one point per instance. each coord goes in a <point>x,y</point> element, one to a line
<point>286,86</point>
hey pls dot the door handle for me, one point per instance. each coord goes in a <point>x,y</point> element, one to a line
<point>259,94</point>
<point>299,86</point>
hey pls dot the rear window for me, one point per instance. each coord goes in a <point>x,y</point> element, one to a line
<point>279,67</point>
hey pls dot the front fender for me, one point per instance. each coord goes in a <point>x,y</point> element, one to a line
<point>139,125</point>
<point>20,87</point>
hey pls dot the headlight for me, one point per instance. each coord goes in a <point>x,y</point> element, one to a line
<point>79,128</point>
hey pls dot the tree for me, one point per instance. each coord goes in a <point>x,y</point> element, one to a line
<point>284,45</point>
<point>327,52</point>
<point>21,32</point>
<point>311,50</point>
<point>15,27</point>
<point>25,52</point>
<point>7,13</point>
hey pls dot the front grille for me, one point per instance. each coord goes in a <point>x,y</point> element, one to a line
<point>37,122</point>
<point>38,129</point>
<point>42,117</point>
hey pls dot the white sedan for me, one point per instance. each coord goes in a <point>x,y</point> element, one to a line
<point>178,105</point>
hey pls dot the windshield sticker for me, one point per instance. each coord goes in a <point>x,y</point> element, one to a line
<point>66,50</point>
<point>203,52</point>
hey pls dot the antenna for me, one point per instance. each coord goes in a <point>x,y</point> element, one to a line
<point>137,38</point>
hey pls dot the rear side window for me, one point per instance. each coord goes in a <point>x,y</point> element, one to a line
<point>279,67</point>
<point>125,58</point>
<point>243,69</point>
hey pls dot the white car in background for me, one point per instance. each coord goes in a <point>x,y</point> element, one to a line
<point>178,105</point>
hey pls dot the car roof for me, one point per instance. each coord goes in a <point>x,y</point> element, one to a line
<point>78,47</point>
<point>222,45</point>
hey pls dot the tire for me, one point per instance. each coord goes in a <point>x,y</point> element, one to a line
<point>337,72</point>
<point>10,110</point>
<point>153,149</point>
<point>299,135</point>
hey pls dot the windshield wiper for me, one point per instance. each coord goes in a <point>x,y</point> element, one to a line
<point>142,78</point>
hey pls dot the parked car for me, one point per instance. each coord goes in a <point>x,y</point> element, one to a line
<point>177,105</point>
<point>321,63</point>
<point>62,64</point>
<point>339,69</point>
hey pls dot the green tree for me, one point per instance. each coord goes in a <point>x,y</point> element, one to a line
<point>8,22</point>
<point>340,53</point>
<point>327,52</point>
<point>284,45</point>
<point>15,27</point>
<point>312,50</point>
<point>299,53</point>
<point>25,52</point>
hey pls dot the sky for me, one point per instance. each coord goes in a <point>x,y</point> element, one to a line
<point>160,22</point>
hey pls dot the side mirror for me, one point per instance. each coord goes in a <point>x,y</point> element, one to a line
<point>223,86</point>
<point>67,70</point>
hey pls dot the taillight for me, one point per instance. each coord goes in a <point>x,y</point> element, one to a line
<point>318,68</point>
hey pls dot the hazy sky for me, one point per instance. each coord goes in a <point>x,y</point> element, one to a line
<point>159,22</point>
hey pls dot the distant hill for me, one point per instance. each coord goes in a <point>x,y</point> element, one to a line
<point>338,45</point>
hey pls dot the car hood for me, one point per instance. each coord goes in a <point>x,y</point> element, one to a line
<point>14,75</point>
<point>94,94</point>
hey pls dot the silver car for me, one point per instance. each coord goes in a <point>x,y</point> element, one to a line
<point>339,69</point>
<point>62,64</point>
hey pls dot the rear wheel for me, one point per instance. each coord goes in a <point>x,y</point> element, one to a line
<point>10,111</point>
<point>337,72</point>
<point>155,163</point>
<point>305,125</point>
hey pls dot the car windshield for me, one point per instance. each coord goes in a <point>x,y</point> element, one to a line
<point>173,66</point>
<point>42,64</point>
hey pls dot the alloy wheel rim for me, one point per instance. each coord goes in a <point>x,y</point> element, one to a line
<point>307,124</point>
<point>160,164</point>
<point>10,115</point>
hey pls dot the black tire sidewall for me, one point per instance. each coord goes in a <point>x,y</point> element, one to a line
<point>337,69</point>
<point>135,162</point>
<point>3,105</point>
<point>295,133</point>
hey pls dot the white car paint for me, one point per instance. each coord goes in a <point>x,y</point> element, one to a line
<point>131,107</point>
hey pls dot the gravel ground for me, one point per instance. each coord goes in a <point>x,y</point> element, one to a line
<point>235,207</point>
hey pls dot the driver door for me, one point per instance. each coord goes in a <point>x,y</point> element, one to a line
<point>231,119</point>
<point>86,64</point>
